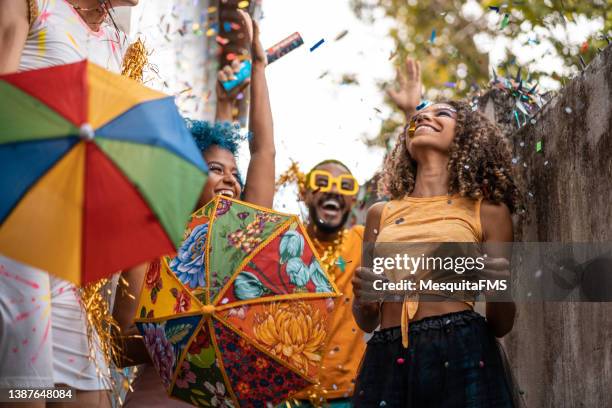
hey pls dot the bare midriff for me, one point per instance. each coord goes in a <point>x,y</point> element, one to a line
<point>392,311</point>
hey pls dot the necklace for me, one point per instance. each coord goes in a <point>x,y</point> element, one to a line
<point>99,7</point>
<point>330,258</point>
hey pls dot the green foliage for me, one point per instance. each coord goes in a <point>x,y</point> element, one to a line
<point>456,58</point>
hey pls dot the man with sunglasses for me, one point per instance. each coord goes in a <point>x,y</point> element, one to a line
<point>329,192</point>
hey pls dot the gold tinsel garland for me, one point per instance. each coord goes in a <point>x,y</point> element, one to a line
<point>331,253</point>
<point>293,175</point>
<point>100,328</point>
<point>32,11</point>
<point>134,61</point>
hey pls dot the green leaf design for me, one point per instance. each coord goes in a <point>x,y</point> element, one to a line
<point>205,403</point>
<point>205,359</point>
<point>197,392</point>
<point>178,332</point>
<point>143,312</point>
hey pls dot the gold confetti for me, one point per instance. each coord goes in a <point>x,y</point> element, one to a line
<point>243,4</point>
<point>135,60</point>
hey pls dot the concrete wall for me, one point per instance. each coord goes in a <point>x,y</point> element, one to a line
<point>561,352</point>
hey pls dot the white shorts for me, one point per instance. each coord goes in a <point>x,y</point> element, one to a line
<point>43,332</point>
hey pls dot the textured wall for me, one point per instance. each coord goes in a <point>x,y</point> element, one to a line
<point>561,352</point>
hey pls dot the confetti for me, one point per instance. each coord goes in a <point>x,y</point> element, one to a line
<point>222,41</point>
<point>243,4</point>
<point>539,146</point>
<point>212,10</point>
<point>494,8</point>
<point>450,84</point>
<point>400,361</point>
<point>341,35</point>
<point>568,110</point>
<point>382,404</point>
<point>505,21</point>
<point>432,38</point>
<point>227,26</point>
<point>210,32</point>
<point>317,45</point>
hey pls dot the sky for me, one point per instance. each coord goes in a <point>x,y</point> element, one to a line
<point>316,118</point>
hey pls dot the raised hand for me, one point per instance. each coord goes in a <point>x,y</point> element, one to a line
<point>257,51</point>
<point>406,94</point>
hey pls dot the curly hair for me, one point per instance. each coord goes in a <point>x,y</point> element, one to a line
<point>222,134</point>
<point>479,163</point>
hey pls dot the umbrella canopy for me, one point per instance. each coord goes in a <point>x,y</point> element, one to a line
<point>238,317</point>
<point>99,173</point>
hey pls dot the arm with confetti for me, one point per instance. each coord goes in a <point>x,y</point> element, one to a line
<point>406,95</point>
<point>259,188</point>
<point>14,27</point>
<point>124,310</point>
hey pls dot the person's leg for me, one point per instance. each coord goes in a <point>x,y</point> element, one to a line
<point>25,330</point>
<point>76,363</point>
<point>85,399</point>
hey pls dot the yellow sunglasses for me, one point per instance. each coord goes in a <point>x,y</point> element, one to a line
<point>323,181</point>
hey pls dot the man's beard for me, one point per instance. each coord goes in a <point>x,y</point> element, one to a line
<point>324,226</point>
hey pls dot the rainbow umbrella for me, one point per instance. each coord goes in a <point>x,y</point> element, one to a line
<point>98,173</point>
<point>239,317</point>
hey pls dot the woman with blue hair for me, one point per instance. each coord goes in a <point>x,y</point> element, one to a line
<point>219,144</point>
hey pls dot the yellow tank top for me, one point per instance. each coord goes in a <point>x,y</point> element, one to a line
<point>440,219</point>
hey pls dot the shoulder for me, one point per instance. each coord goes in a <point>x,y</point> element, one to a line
<point>376,210</point>
<point>496,221</point>
<point>357,230</point>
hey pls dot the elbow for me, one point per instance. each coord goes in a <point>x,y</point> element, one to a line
<point>500,332</point>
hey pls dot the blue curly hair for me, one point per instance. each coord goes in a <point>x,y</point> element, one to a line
<point>222,134</point>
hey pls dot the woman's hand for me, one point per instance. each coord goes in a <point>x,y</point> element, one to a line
<point>363,286</point>
<point>258,54</point>
<point>228,73</point>
<point>496,270</point>
<point>366,302</point>
<point>406,95</point>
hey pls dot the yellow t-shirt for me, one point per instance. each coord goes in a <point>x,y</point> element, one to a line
<point>345,343</point>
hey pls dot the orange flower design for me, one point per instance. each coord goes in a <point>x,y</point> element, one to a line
<point>243,388</point>
<point>261,363</point>
<point>292,331</point>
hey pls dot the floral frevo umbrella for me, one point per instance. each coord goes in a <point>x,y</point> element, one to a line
<point>238,317</point>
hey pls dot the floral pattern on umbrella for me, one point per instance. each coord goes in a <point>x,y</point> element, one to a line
<point>253,279</point>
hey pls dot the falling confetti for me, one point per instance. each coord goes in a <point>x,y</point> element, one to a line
<point>317,45</point>
<point>450,84</point>
<point>341,35</point>
<point>494,8</point>
<point>432,38</point>
<point>243,4</point>
<point>539,146</point>
<point>505,21</point>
